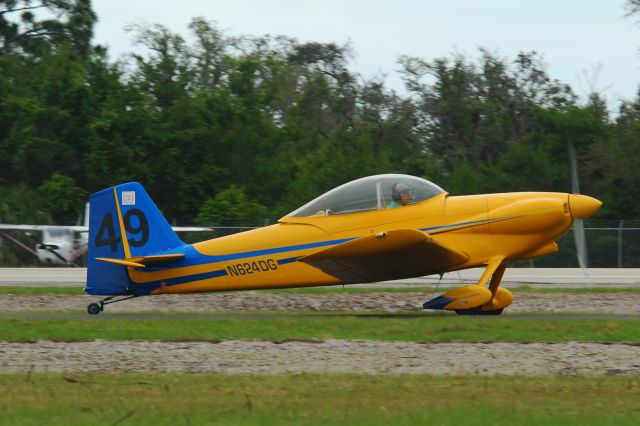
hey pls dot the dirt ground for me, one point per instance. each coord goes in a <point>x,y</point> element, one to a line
<point>613,303</point>
<point>331,356</point>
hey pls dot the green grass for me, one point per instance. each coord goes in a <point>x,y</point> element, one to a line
<point>432,328</point>
<point>341,290</point>
<point>178,399</point>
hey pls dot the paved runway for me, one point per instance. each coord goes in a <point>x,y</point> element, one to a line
<point>535,277</point>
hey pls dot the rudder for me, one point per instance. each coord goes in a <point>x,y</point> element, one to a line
<point>127,210</point>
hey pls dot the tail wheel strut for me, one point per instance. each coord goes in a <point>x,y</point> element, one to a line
<point>96,308</point>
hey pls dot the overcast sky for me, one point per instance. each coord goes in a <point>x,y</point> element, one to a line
<point>576,37</point>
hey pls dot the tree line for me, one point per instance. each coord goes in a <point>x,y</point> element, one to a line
<point>224,129</point>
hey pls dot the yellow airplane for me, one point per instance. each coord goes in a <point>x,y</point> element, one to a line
<point>377,228</point>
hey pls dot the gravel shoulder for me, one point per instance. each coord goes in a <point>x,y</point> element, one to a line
<point>613,303</point>
<point>331,356</point>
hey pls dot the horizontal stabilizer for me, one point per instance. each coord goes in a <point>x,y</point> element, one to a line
<point>142,261</point>
<point>384,256</point>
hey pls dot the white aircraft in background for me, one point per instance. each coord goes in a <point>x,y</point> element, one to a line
<point>62,245</point>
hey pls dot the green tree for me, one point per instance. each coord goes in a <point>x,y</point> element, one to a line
<point>64,200</point>
<point>613,164</point>
<point>65,22</point>
<point>471,112</point>
<point>231,206</point>
<point>22,204</point>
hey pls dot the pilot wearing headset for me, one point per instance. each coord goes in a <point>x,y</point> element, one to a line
<point>401,195</point>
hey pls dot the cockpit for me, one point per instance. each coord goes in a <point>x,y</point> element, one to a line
<point>370,193</point>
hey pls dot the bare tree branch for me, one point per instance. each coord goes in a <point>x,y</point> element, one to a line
<point>22,8</point>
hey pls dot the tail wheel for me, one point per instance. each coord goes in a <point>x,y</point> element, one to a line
<point>94,309</point>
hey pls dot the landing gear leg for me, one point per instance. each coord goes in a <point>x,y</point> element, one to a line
<point>476,299</point>
<point>500,297</point>
<point>96,308</point>
<point>496,278</point>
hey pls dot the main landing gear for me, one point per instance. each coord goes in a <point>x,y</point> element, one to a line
<point>478,311</point>
<point>476,299</point>
<point>96,308</point>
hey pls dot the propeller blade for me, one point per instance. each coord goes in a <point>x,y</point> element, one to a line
<point>573,162</point>
<point>578,225</point>
<point>581,245</point>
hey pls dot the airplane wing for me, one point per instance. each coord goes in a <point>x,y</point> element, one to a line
<point>191,229</point>
<point>80,228</point>
<point>16,227</point>
<point>385,256</point>
<point>12,227</point>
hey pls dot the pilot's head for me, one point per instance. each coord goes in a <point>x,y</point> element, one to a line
<point>401,193</point>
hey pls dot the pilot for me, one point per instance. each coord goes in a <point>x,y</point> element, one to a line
<point>400,195</point>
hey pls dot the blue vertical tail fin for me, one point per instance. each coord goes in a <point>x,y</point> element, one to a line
<point>124,210</point>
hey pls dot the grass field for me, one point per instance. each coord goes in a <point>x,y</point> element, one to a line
<point>426,328</point>
<point>316,399</point>
<point>327,399</point>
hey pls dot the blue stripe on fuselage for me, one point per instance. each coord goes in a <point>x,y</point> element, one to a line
<point>288,260</point>
<point>473,222</point>
<point>146,288</point>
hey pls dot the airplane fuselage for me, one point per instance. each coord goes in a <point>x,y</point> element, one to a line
<point>512,225</point>
<point>376,228</point>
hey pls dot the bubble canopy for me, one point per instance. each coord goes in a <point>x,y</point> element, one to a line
<point>368,193</point>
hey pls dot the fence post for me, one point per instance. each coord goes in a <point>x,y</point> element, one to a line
<point>620,226</point>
